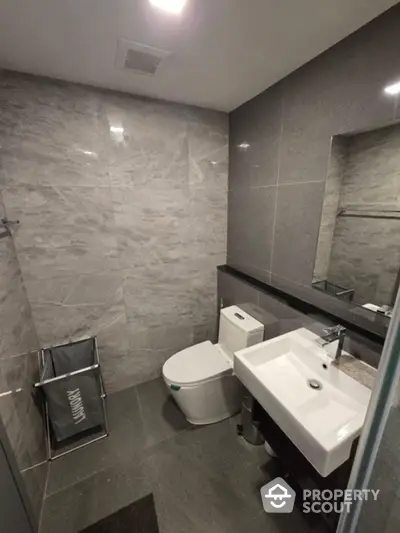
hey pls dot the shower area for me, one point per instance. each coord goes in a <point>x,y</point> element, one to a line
<point>113,220</point>
<point>22,430</point>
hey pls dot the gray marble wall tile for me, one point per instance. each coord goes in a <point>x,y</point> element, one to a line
<point>206,332</point>
<point>208,141</point>
<point>159,294</point>
<point>73,307</point>
<point>366,257</point>
<point>211,170</point>
<point>63,230</point>
<point>150,348</point>
<point>56,125</point>
<point>18,370</point>
<point>55,118</point>
<point>152,225</point>
<point>86,169</point>
<point>209,216</point>
<point>372,169</point>
<point>147,142</point>
<point>18,334</point>
<point>63,212</point>
<point>83,305</point>
<point>20,415</point>
<point>122,203</point>
<point>204,287</point>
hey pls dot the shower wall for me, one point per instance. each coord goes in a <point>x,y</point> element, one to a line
<point>19,369</point>
<point>122,203</point>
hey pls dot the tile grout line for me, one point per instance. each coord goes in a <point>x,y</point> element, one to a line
<point>278,171</point>
<point>29,468</point>
<point>299,183</point>
<point>81,480</point>
<point>44,498</point>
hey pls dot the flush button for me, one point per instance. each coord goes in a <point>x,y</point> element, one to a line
<point>239,316</point>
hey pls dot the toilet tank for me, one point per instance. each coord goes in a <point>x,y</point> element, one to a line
<point>238,330</point>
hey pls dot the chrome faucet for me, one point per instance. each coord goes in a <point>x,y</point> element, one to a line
<point>335,333</point>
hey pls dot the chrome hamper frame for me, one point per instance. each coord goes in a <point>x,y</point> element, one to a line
<point>94,367</point>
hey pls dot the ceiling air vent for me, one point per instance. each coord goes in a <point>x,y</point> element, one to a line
<point>139,57</point>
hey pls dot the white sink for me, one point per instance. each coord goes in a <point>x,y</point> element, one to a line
<point>323,423</point>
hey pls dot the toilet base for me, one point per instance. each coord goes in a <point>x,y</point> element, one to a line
<point>209,402</point>
<point>210,421</point>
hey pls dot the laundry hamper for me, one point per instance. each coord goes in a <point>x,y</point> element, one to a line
<point>73,389</point>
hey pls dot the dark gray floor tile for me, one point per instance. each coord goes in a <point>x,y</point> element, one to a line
<point>125,443</point>
<point>203,479</point>
<point>162,417</point>
<point>139,517</point>
<point>208,479</point>
<point>92,499</point>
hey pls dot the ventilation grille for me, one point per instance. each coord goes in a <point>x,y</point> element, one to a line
<point>142,62</point>
<point>139,57</point>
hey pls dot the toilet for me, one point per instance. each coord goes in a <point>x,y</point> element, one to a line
<point>201,378</point>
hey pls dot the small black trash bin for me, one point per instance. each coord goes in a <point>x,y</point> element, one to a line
<point>249,428</point>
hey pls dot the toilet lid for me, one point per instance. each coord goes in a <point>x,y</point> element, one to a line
<point>196,364</point>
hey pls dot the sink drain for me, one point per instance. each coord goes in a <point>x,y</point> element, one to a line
<point>314,384</point>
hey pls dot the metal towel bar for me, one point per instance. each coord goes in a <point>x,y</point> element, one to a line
<point>5,223</point>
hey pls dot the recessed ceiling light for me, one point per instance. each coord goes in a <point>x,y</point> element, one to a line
<point>172,6</point>
<point>244,146</point>
<point>116,129</point>
<point>393,89</point>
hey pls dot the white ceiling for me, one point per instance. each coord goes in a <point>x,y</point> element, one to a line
<point>223,51</point>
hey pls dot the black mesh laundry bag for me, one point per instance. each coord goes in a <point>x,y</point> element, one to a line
<point>71,382</point>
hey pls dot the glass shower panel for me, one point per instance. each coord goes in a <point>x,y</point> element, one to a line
<point>377,463</point>
<point>19,413</point>
<point>384,514</point>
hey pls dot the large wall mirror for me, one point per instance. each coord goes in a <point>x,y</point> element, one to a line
<point>358,253</point>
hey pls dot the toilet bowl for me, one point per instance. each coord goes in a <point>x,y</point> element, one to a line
<point>201,377</point>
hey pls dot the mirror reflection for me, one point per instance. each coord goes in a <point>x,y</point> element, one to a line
<point>358,253</point>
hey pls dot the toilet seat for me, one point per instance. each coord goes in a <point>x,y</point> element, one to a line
<point>197,364</point>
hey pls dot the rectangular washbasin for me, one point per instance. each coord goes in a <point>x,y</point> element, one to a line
<point>319,407</point>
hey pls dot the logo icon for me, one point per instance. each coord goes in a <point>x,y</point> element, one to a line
<point>278,497</point>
